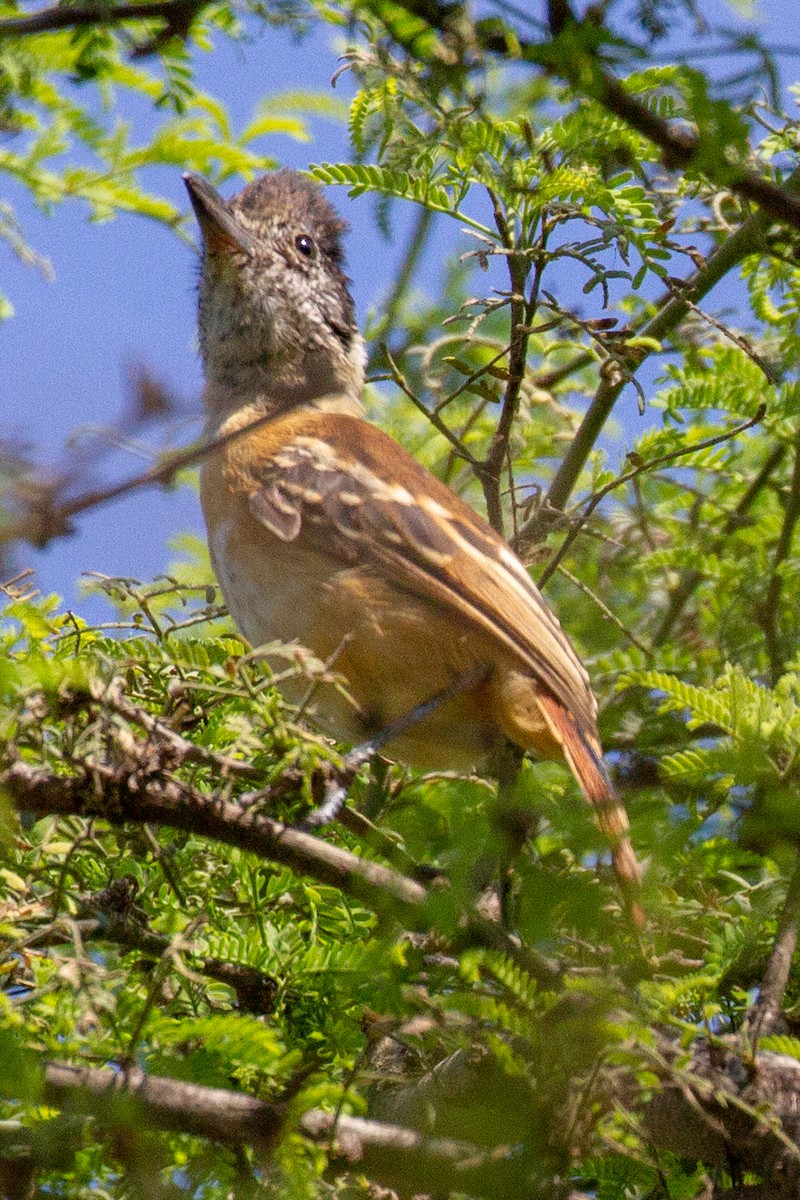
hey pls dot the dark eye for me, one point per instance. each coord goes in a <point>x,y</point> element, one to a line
<point>305,244</point>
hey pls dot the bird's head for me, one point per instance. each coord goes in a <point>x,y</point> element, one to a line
<point>275,308</point>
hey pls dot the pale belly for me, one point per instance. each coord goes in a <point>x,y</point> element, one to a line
<point>394,651</point>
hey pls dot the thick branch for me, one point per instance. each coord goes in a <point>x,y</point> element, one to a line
<point>163,800</point>
<point>400,1157</point>
<point>170,1104</point>
<point>723,1110</point>
<point>158,798</point>
<point>178,15</point>
<point>727,1109</point>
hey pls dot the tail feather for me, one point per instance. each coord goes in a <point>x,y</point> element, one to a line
<point>586,764</point>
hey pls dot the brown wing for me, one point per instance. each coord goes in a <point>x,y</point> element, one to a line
<point>338,483</point>
<point>341,483</point>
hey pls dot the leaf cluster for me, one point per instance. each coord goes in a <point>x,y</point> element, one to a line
<point>463,974</point>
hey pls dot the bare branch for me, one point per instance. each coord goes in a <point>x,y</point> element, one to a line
<point>120,796</point>
<point>148,793</point>
<point>400,1157</point>
<point>46,519</point>
<point>169,1104</point>
<point>111,697</point>
<point>605,610</point>
<point>717,1111</point>
<point>178,15</point>
<point>397,376</point>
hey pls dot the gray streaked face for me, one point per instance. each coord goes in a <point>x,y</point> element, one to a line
<point>272,288</point>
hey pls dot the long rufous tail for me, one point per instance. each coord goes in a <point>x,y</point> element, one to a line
<point>586,764</point>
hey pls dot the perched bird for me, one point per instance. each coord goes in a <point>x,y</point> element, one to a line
<point>323,530</point>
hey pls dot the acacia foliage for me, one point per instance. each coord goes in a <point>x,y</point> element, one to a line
<point>154,915</point>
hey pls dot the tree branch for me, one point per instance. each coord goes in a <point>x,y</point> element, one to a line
<point>767,612</point>
<point>397,376</point>
<point>120,796</point>
<point>149,793</point>
<point>582,70</point>
<point>681,147</point>
<point>169,1104</point>
<point>491,470</point>
<point>670,311</point>
<point>46,518</point>
<point>111,697</point>
<point>178,15</point>
<point>400,1157</point>
<point>718,1111</point>
<point>255,990</point>
<point>728,1110</point>
<point>765,1013</point>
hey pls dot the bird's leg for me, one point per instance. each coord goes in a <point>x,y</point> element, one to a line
<point>336,789</point>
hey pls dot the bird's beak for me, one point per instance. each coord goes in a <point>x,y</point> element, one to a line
<point>221,232</point>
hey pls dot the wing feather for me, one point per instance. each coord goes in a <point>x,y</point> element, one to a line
<point>330,488</point>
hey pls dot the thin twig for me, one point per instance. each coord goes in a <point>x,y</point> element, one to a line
<point>45,521</point>
<point>605,610</point>
<point>414,248</point>
<point>738,340</point>
<point>438,424</point>
<point>690,578</point>
<point>471,379</point>
<point>111,697</point>
<point>600,495</point>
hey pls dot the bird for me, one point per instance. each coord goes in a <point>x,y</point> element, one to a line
<point>325,531</point>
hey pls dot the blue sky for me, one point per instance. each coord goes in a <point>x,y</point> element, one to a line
<point>123,294</point>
